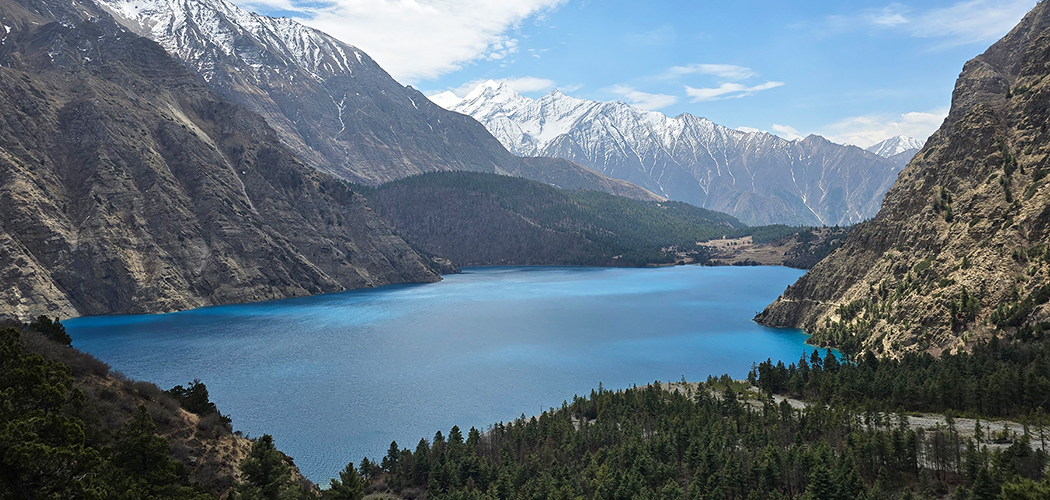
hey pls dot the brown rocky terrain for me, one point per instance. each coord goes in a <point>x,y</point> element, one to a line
<point>330,103</point>
<point>958,250</point>
<point>126,186</point>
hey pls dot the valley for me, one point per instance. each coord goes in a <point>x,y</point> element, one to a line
<point>193,193</point>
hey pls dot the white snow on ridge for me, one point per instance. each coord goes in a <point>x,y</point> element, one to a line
<point>446,99</point>
<point>895,145</point>
<point>686,157</point>
<point>195,31</point>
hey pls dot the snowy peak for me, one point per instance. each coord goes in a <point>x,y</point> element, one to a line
<point>489,97</point>
<point>895,145</point>
<point>202,32</point>
<point>756,176</point>
<point>446,99</point>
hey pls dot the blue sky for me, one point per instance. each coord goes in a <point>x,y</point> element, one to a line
<point>856,72</point>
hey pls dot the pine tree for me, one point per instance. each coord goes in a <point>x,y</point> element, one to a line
<point>349,486</point>
<point>393,456</point>
<point>267,476</point>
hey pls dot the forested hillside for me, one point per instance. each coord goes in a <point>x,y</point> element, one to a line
<point>486,219</point>
<point>71,428</point>
<point>680,441</point>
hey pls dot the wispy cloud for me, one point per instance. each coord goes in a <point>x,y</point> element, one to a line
<point>641,99</point>
<point>786,131</point>
<point>400,34</point>
<point>727,72</point>
<point>728,90</point>
<point>659,36</point>
<point>969,21</point>
<point>522,84</point>
<point>867,130</point>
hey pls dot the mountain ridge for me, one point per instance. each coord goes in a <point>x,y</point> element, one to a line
<point>129,187</point>
<point>957,254</point>
<point>329,102</point>
<point>758,177</point>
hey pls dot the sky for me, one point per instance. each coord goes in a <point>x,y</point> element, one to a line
<point>854,72</point>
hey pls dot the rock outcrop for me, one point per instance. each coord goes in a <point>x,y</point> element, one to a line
<point>958,251</point>
<point>126,186</point>
<point>329,102</point>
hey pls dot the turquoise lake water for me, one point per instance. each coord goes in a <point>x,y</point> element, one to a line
<point>337,377</point>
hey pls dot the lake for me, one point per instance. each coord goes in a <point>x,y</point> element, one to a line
<point>336,377</point>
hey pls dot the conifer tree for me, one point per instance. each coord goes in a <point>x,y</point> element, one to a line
<point>349,486</point>
<point>266,475</point>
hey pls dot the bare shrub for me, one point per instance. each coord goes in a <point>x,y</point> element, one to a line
<point>213,425</point>
<point>80,363</point>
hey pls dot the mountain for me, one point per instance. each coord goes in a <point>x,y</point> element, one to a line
<point>894,146</point>
<point>329,102</point>
<point>958,252</point>
<point>129,187</point>
<point>757,177</point>
<point>900,149</point>
<point>475,218</point>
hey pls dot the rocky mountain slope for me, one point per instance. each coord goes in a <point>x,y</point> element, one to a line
<point>958,251</point>
<point>329,102</point>
<point>126,186</point>
<point>757,177</point>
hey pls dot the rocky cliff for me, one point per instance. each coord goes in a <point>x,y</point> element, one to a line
<point>958,251</point>
<point>329,102</point>
<point>126,186</point>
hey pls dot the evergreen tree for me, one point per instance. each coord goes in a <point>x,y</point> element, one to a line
<point>393,456</point>
<point>53,330</point>
<point>143,457</point>
<point>421,463</point>
<point>349,486</point>
<point>266,475</point>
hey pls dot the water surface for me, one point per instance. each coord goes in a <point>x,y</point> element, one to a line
<point>336,377</point>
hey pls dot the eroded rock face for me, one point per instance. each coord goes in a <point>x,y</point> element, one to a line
<point>329,102</point>
<point>126,186</point>
<point>964,230</point>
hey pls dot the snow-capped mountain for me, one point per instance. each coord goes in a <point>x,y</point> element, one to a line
<point>895,145</point>
<point>758,177</point>
<point>900,149</point>
<point>328,101</point>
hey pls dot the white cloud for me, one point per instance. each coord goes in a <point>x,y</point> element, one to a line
<point>971,21</point>
<point>750,130</point>
<point>728,91</point>
<point>786,131</point>
<point>419,39</point>
<point>643,100</point>
<point>728,72</point>
<point>867,130</point>
<point>521,85</point>
<point>890,16</point>
<point>968,21</point>
<point>659,36</point>
<point>529,84</point>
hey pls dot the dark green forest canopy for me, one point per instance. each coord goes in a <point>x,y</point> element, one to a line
<point>53,446</point>
<point>707,443</point>
<point>483,219</point>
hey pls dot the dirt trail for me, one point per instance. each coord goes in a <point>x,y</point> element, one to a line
<point>996,433</point>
